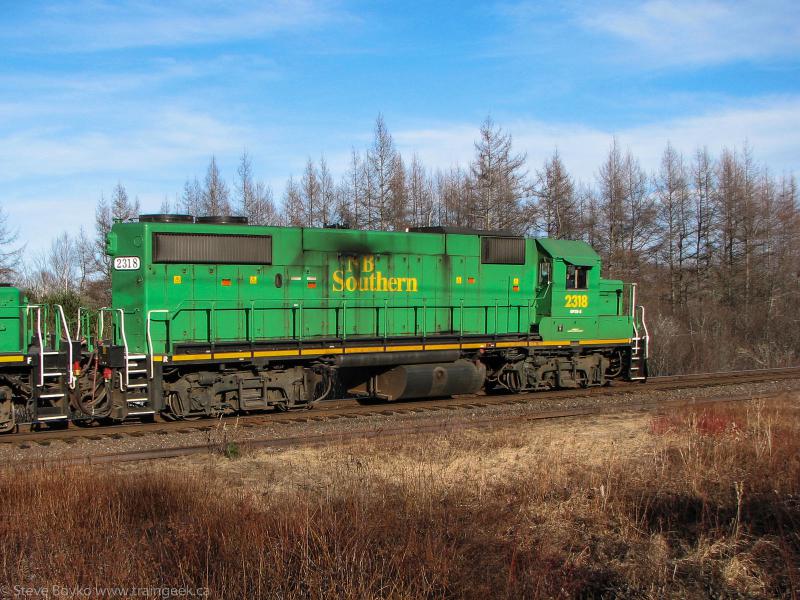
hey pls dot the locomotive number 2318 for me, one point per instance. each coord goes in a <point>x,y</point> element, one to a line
<point>576,301</point>
<point>126,263</point>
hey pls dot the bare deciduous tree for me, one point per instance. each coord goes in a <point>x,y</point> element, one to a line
<point>120,208</point>
<point>381,164</point>
<point>255,197</point>
<point>293,207</point>
<point>627,211</point>
<point>420,195</point>
<point>499,179</point>
<point>554,210</point>
<point>327,194</point>
<point>310,195</point>
<point>674,221</point>
<point>9,254</point>
<point>216,197</point>
<point>703,191</point>
<point>192,197</point>
<point>398,196</point>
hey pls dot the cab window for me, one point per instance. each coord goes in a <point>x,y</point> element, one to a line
<point>544,272</point>
<point>577,277</point>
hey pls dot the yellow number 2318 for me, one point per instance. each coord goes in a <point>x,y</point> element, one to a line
<point>576,301</point>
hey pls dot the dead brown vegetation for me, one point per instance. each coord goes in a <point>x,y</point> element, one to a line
<point>701,503</point>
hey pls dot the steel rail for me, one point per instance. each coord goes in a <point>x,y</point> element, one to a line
<point>331,409</point>
<point>306,440</point>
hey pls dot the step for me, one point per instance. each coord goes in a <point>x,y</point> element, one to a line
<point>142,412</point>
<point>136,356</point>
<point>51,418</point>
<point>59,395</point>
<point>142,399</point>
<point>637,378</point>
<point>52,374</point>
<point>137,385</point>
<point>132,371</point>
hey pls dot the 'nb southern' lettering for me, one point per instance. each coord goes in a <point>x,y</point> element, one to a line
<point>368,279</point>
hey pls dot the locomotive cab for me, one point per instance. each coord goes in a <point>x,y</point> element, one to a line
<point>576,304</point>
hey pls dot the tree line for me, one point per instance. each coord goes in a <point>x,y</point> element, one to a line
<point>712,240</point>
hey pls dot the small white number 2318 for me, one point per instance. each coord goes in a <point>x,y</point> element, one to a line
<point>126,263</point>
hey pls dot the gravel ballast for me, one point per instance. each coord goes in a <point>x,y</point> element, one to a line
<point>231,430</point>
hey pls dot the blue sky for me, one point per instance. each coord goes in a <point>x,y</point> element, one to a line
<point>144,92</point>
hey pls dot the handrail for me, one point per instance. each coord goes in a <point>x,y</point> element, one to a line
<point>70,374</point>
<point>78,324</point>
<point>83,327</point>
<point>323,303</point>
<point>544,293</point>
<point>299,308</point>
<point>150,337</point>
<point>646,332</point>
<point>124,382</point>
<point>125,349</point>
<point>24,322</point>
<point>100,325</point>
<point>38,308</point>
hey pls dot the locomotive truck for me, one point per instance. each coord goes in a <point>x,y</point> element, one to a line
<point>212,316</point>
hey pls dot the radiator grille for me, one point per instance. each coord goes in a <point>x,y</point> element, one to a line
<point>502,250</point>
<point>212,248</point>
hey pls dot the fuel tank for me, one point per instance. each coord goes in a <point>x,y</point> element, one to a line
<point>405,382</point>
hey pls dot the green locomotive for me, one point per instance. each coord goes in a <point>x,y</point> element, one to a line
<point>213,315</point>
<point>36,363</point>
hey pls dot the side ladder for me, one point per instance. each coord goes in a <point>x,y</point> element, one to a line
<point>51,375</point>
<point>135,380</point>
<point>640,350</point>
<point>134,384</point>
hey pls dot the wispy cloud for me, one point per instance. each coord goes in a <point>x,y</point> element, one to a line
<point>170,137</point>
<point>700,32</point>
<point>52,177</point>
<point>652,34</point>
<point>91,25</point>
<point>147,75</point>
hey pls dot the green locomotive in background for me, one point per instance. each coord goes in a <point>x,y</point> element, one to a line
<point>212,315</point>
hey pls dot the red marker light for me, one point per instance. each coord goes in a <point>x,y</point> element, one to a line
<point>226,282</point>
<point>76,368</point>
<point>312,284</point>
<point>107,374</point>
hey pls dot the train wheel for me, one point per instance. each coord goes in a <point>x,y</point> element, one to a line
<point>7,424</point>
<point>176,409</point>
<point>7,421</point>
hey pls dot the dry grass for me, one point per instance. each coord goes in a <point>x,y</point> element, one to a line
<point>690,504</point>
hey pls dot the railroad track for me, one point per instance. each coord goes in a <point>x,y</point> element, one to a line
<point>351,409</point>
<point>321,439</point>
